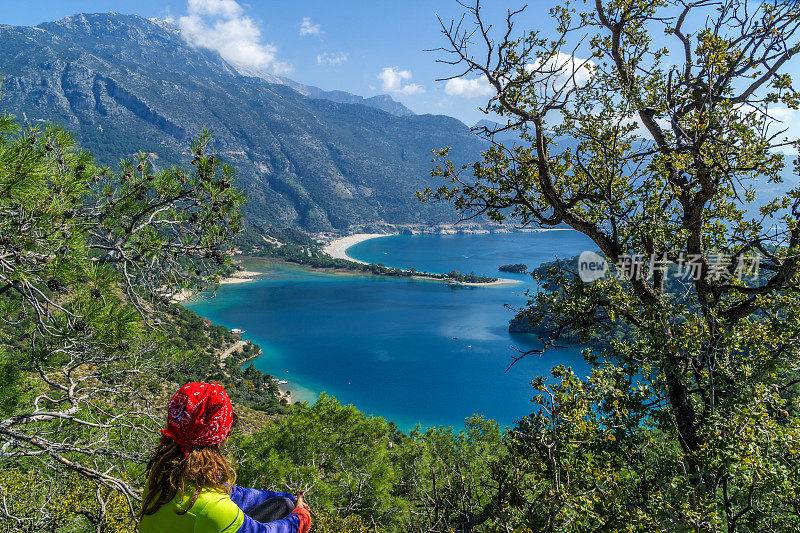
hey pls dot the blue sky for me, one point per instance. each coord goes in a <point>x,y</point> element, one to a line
<point>344,44</point>
<point>364,47</point>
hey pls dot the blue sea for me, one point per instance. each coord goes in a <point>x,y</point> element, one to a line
<point>411,351</point>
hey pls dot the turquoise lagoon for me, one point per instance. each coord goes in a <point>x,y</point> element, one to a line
<point>411,351</point>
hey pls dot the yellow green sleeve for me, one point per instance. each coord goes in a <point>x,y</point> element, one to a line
<point>219,515</point>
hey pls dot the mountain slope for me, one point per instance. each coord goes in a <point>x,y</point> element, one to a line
<point>123,83</point>
<point>381,101</point>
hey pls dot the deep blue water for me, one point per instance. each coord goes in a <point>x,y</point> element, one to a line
<point>410,351</point>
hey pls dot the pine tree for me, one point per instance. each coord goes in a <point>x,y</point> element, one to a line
<point>89,257</point>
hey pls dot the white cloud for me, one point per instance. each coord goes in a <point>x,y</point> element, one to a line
<point>224,8</point>
<point>782,120</point>
<point>778,120</point>
<point>393,80</point>
<point>781,114</point>
<point>776,117</point>
<point>282,68</point>
<point>469,88</point>
<point>307,28</point>
<point>561,70</point>
<point>555,73</point>
<point>219,25</point>
<point>331,59</point>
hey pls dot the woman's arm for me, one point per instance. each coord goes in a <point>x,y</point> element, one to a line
<point>224,516</point>
<point>247,498</point>
<point>290,524</point>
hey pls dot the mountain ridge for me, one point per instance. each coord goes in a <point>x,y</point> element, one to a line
<point>383,102</point>
<point>122,83</point>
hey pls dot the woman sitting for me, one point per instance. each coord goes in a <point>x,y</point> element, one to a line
<point>190,486</point>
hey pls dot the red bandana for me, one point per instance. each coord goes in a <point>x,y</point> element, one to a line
<point>200,414</point>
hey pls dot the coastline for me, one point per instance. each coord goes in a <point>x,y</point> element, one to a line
<point>286,394</point>
<point>283,391</point>
<point>240,276</point>
<point>300,392</point>
<point>337,249</point>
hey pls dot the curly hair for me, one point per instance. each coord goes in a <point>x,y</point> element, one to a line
<point>169,472</point>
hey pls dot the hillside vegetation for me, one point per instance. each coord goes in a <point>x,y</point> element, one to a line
<point>92,351</point>
<point>689,419</point>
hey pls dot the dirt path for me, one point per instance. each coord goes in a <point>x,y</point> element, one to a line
<point>227,353</point>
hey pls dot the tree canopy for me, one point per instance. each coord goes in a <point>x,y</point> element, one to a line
<point>646,126</point>
<point>89,257</point>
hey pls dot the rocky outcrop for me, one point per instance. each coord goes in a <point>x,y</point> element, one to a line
<point>521,324</point>
<point>140,109</point>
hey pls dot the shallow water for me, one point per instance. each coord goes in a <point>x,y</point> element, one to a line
<point>411,351</point>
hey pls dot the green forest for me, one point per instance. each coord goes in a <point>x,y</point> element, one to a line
<point>689,419</point>
<point>92,350</point>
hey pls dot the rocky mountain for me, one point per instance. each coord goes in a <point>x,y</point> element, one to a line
<point>764,190</point>
<point>505,137</point>
<point>123,83</point>
<point>381,101</point>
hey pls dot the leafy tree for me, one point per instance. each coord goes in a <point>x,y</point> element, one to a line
<point>447,477</point>
<point>517,268</point>
<point>335,453</point>
<point>687,423</point>
<point>361,474</point>
<point>88,258</point>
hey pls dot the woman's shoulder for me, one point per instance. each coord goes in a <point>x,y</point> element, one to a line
<point>205,498</point>
<point>186,503</point>
<point>215,511</point>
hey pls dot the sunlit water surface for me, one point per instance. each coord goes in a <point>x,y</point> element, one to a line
<point>408,350</point>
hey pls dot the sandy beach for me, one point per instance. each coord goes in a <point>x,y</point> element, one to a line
<point>285,393</point>
<point>337,248</point>
<point>181,296</point>
<point>240,276</point>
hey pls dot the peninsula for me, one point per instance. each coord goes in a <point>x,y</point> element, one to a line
<point>337,249</point>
